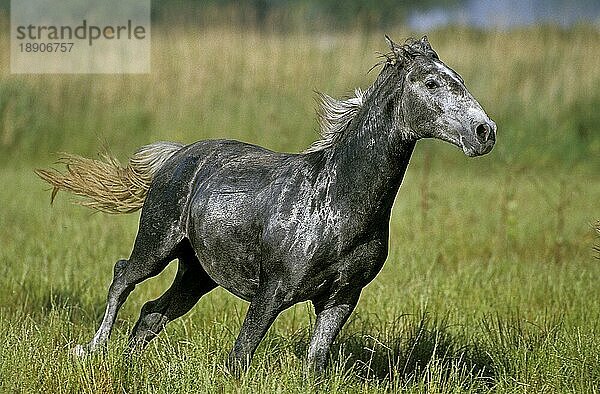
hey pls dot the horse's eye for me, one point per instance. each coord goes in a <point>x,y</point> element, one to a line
<point>432,84</point>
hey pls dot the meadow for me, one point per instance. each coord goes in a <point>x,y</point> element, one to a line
<point>491,283</point>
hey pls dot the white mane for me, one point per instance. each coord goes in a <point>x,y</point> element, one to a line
<point>334,117</point>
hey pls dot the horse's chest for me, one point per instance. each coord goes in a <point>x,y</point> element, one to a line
<point>346,273</point>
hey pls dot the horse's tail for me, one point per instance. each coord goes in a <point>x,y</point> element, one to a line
<point>106,185</point>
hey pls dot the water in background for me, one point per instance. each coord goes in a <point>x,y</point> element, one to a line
<point>504,14</point>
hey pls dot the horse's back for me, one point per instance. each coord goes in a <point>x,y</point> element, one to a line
<point>208,168</point>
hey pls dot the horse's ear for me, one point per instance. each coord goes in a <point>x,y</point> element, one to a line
<point>426,46</point>
<point>425,43</point>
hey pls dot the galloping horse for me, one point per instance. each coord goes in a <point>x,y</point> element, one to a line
<point>275,228</point>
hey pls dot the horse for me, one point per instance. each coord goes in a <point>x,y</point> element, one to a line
<point>276,229</point>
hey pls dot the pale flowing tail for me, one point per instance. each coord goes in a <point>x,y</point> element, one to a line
<point>106,185</point>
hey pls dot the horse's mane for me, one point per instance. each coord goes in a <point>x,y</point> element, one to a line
<point>335,115</point>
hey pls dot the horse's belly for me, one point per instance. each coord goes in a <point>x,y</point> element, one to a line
<point>227,244</point>
<point>236,274</point>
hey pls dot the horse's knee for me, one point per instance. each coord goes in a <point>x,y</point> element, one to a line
<point>123,282</point>
<point>152,317</point>
<point>148,308</point>
<point>121,286</point>
<point>120,267</point>
<point>150,323</point>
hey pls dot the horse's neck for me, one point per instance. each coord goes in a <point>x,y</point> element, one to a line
<point>370,163</point>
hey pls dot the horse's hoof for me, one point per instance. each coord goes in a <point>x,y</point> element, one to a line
<point>234,367</point>
<point>79,351</point>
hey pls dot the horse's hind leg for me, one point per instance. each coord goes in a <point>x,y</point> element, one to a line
<point>144,263</point>
<point>190,283</point>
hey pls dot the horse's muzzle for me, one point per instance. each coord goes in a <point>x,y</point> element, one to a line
<point>485,137</point>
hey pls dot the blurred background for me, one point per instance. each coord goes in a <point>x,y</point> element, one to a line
<point>248,70</point>
<point>331,14</point>
<point>424,14</point>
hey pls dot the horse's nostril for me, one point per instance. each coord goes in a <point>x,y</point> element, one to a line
<point>483,131</point>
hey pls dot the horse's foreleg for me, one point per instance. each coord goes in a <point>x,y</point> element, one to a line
<point>330,319</point>
<point>190,283</point>
<point>263,310</point>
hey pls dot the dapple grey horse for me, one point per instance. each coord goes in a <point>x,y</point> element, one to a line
<point>275,228</point>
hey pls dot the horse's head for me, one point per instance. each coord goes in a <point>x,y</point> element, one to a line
<point>434,101</point>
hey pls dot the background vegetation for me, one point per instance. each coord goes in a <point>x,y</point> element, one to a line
<point>491,283</point>
<point>286,15</point>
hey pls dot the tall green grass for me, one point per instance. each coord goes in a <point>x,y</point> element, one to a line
<point>469,300</point>
<point>491,279</point>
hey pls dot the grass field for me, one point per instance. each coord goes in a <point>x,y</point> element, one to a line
<point>491,283</point>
